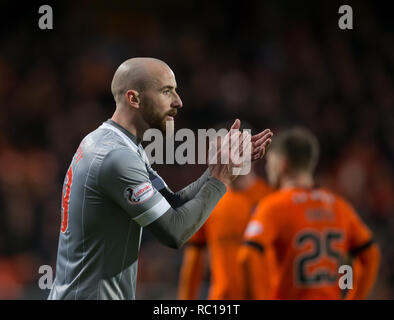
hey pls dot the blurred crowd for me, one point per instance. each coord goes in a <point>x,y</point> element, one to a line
<point>272,64</point>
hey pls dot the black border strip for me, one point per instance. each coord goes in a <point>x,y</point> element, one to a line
<point>255,245</point>
<point>357,250</point>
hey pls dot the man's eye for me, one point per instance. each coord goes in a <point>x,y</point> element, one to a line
<point>166,91</point>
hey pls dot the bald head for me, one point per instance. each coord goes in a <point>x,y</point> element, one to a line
<point>136,74</point>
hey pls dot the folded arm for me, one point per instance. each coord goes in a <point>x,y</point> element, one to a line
<point>125,179</point>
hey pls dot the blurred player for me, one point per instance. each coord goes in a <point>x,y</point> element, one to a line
<point>222,236</point>
<point>300,235</point>
<point>111,192</point>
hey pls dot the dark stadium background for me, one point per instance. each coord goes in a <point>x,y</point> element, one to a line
<point>272,63</point>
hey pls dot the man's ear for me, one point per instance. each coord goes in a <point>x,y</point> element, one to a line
<point>132,98</point>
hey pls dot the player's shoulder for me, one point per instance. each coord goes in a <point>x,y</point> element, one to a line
<point>117,157</point>
<point>335,198</point>
<point>121,163</point>
<point>101,141</point>
<point>339,205</point>
<point>122,157</point>
<point>274,201</point>
<point>278,197</point>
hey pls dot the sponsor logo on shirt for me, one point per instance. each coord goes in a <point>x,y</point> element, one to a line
<point>140,193</point>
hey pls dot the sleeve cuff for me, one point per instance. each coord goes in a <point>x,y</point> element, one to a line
<point>357,250</point>
<point>153,213</point>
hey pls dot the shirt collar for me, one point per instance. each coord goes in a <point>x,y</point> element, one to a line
<point>126,132</point>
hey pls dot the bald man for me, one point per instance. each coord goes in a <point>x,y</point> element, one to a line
<point>111,192</point>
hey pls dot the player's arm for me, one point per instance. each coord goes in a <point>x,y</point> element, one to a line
<point>179,224</point>
<point>123,177</point>
<point>175,227</point>
<point>176,199</point>
<point>259,143</point>
<point>255,271</point>
<point>191,271</point>
<point>257,254</point>
<point>367,258</point>
<point>364,252</point>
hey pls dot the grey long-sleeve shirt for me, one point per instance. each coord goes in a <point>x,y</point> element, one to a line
<point>109,194</point>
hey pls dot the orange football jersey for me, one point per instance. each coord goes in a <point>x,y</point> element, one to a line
<point>223,232</point>
<point>305,235</point>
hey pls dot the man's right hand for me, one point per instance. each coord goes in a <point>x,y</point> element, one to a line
<point>221,153</point>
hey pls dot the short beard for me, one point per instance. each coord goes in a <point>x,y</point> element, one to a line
<point>156,120</point>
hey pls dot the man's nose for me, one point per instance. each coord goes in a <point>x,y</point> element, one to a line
<point>177,103</point>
